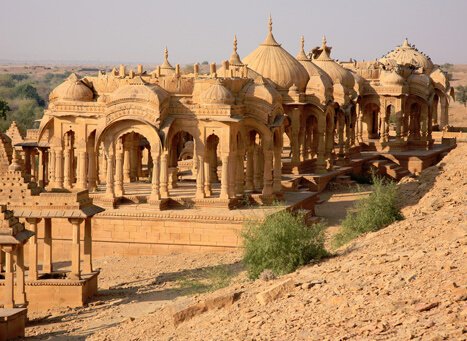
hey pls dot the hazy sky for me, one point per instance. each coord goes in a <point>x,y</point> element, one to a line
<point>137,31</point>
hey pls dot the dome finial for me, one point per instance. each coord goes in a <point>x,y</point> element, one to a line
<point>302,43</point>
<point>301,53</point>
<point>270,23</point>
<point>166,54</point>
<point>235,43</point>
<point>406,43</point>
<point>324,42</point>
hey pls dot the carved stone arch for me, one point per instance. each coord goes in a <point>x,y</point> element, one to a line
<point>265,132</point>
<point>111,133</point>
<point>189,126</point>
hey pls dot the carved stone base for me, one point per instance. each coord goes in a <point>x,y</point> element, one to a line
<point>12,323</point>
<point>158,204</point>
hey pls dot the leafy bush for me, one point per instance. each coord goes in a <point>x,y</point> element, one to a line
<point>376,211</point>
<point>281,243</point>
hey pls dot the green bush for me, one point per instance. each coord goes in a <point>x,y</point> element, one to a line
<point>376,211</point>
<point>281,243</point>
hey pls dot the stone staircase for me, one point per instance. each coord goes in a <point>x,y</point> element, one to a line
<point>389,168</point>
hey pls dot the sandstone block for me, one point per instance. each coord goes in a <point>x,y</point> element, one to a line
<point>275,292</point>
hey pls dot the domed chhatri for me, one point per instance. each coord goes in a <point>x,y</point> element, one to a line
<point>320,84</point>
<point>139,92</point>
<point>391,78</point>
<point>408,55</point>
<point>272,61</point>
<point>338,74</point>
<point>217,94</point>
<point>73,89</point>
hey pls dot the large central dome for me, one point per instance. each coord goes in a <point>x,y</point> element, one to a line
<point>271,61</point>
<point>407,54</point>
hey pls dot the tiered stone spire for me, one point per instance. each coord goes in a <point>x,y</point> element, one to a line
<point>270,40</point>
<point>301,53</point>
<point>235,58</point>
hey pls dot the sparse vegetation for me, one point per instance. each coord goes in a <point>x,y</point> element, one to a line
<point>376,211</point>
<point>4,108</point>
<point>210,279</point>
<point>282,243</point>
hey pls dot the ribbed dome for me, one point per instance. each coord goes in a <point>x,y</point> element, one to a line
<point>391,78</point>
<point>261,90</point>
<point>439,79</point>
<point>139,91</point>
<point>72,89</point>
<point>337,73</point>
<point>406,54</point>
<point>319,80</point>
<point>419,79</point>
<point>217,94</point>
<point>271,61</point>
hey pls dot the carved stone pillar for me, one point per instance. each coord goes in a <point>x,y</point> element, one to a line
<point>207,177</point>
<point>164,175</point>
<point>257,178</point>
<point>126,160</point>
<point>240,173</point>
<point>119,191</point>
<point>225,176</point>
<point>82,176</point>
<point>27,164</point>
<point>200,178</point>
<point>277,184</point>
<point>320,160</point>
<point>41,168</point>
<point>59,168</point>
<point>109,183</point>
<point>249,168</point>
<point>75,249</point>
<point>267,177</point>
<point>87,247</point>
<point>134,158</point>
<point>155,180</point>
<point>232,170</point>
<point>51,164</point>
<point>20,280</point>
<point>67,169</point>
<point>424,123</point>
<point>92,171</point>
<point>9,281</point>
<point>33,273</point>
<point>340,133</point>
<point>47,262</point>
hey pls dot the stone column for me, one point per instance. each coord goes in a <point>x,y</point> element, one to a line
<point>267,177</point>
<point>240,173</point>
<point>59,168</point>
<point>340,132</point>
<point>302,142</point>
<point>33,274</point>
<point>75,249</point>
<point>164,175</point>
<point>47,263</point>
<point>126,160</point>
<point>92,171</point>
<point>207,177</point>
<point>41,170</point>
<point>200,178</point>
<point>87,247</point>
<point>277,184</point>
<point>225,176</point>
<point>67,168</point>
<point>257,169</point>
<point>249,169</point>
<point>109,182</point>
<point>423,123</point>
<point>134,159</point>
<point>27,163</point>
<point>21,290</point>
<point>51,174</point>
<point>82,176</point>
<point>155,181</point>
<point>9,281</point>
<point>102,166</point>
<point>119,191</point>
<point>320,160</point>
<point>232,170</point>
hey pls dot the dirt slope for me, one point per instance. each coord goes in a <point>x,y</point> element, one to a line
<point>406,281</point>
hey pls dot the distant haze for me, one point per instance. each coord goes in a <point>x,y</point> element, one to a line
<point>136,31</point>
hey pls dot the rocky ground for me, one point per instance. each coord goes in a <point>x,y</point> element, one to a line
<point>407,281</point>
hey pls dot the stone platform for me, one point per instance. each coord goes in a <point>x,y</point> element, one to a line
<point>45,294</point>
<point>138,229</point>
<point>12,323</point>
